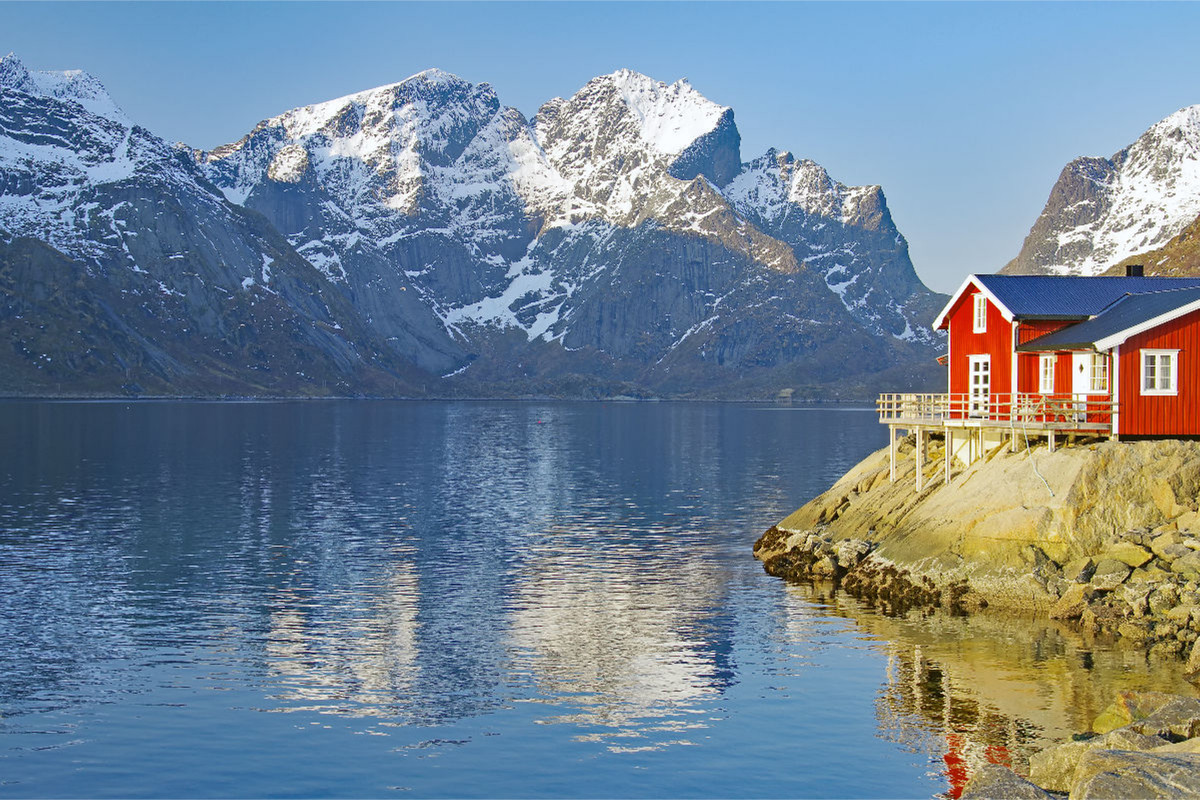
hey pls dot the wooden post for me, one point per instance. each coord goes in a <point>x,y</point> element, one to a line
<point>920,455</point>
<point>892,451</point>
<point>949,440</point>
<point>1050,435</point>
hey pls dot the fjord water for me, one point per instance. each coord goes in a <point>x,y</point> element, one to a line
<point>476,599</point>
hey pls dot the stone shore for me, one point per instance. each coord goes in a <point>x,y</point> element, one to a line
<point>1145,745</point>
<point>1105,535</point>
<point>1101,535</point>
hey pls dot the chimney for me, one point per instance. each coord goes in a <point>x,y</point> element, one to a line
<point>1134,271</point>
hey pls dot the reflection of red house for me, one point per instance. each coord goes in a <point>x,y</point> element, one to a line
<point>1034,355</point>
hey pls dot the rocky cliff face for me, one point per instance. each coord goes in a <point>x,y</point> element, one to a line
<point>1103,211</point>
<point>125,270</point>
<point>617,234</point>
<point>613,244</point>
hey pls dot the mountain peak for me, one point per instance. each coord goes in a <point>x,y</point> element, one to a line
<point>72,85</point>
<point>1104,211</point>
<point>13,74</point>
<point>670,116</point>
<point>435,76</point>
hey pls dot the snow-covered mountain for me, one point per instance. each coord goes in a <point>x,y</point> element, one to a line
<point>614,243</point>
<point>121,266</point>
<point>1102,211</point>
<point>616,233</point>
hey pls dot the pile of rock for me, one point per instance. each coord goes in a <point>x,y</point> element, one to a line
<point>1145,586</point>
<point>811,556</point>
<point>1146,744</point>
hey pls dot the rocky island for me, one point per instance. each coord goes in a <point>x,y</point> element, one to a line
<point>1100,535</point>
<point>1103,533</point>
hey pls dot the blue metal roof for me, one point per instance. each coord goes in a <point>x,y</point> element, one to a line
<point>1062,297</point>
<point>1128,312</point>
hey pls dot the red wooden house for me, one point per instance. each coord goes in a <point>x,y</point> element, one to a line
<point>1034,355</point>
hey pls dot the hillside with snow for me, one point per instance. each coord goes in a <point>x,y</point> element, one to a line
<point>1104,211</point>
<point>617,233</point>
<point>123,271</point>
<point>615,243</point>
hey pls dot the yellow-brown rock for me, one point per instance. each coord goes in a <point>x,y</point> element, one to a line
<point>1009,523</point>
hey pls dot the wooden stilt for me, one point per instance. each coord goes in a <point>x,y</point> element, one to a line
<point>920,458</point>
<point>1050,435</point>
<point>892,452</point>
<point>949,440</point>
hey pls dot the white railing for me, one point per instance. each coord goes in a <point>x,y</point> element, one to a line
<point>1060,411</point>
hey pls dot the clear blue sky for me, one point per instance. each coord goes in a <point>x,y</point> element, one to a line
<point>964,113</point>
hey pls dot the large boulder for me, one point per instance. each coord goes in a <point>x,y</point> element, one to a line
<point>1108,774</point>
<point>995,782</point>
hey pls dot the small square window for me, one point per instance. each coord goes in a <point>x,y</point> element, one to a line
<point>1160,372</point>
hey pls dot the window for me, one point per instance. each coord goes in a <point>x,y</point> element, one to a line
<point>1046,374</point>
<point>1098,382</point>
<point>980,322</point>
<point>1160,373</point>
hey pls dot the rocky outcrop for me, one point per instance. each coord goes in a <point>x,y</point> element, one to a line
<point>1155,753</point>
<point>1101,211</point>
<point>1104,535</point>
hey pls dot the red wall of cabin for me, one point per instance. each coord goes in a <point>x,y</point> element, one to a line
<point>1031,329</point>
<point>996,342</point>
<point>1162,415</point>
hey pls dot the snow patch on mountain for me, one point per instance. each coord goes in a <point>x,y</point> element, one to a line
<point>67,85</point>
<point>776,184</point>
<point>670,117</point>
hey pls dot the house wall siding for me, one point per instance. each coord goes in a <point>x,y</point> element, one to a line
<point>964,342</point>
<point>1032,329</point>
<point>1162,415</point>
<point>1029,372</point>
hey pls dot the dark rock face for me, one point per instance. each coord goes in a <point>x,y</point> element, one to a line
<point>717,155</point>
<point>1080,198</point>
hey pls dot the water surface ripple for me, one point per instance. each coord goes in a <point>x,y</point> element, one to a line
<point>474,599</point>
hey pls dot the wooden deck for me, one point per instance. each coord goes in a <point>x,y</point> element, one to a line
<point>973,425</point>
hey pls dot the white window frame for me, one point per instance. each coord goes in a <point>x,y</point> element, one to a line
<point>979,314</point>
<point>1046,367</point>
<point>1170,357</point>
<point>1098,373</point>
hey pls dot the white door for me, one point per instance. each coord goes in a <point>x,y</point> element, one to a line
<point>1081,374</point>
<point>1081,382</point>
<point>981,384</point>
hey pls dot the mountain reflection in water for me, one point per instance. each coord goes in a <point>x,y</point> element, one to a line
<point>476,599</point>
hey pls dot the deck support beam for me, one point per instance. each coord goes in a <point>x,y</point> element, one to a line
<point>1050,436</point>
<point>892,452</point>
<point>948,439</point>
<point>920,458</point>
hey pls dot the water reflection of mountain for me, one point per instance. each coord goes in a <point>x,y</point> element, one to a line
<point>615,610</point>
<point>627,638</point>
<point>987,688</point>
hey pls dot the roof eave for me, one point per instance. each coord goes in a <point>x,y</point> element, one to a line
<point>1053,347</point>
<point>1120,337</point>
<point>941,321</point>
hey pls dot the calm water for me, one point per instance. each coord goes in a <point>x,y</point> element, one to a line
<point>476,599</point>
